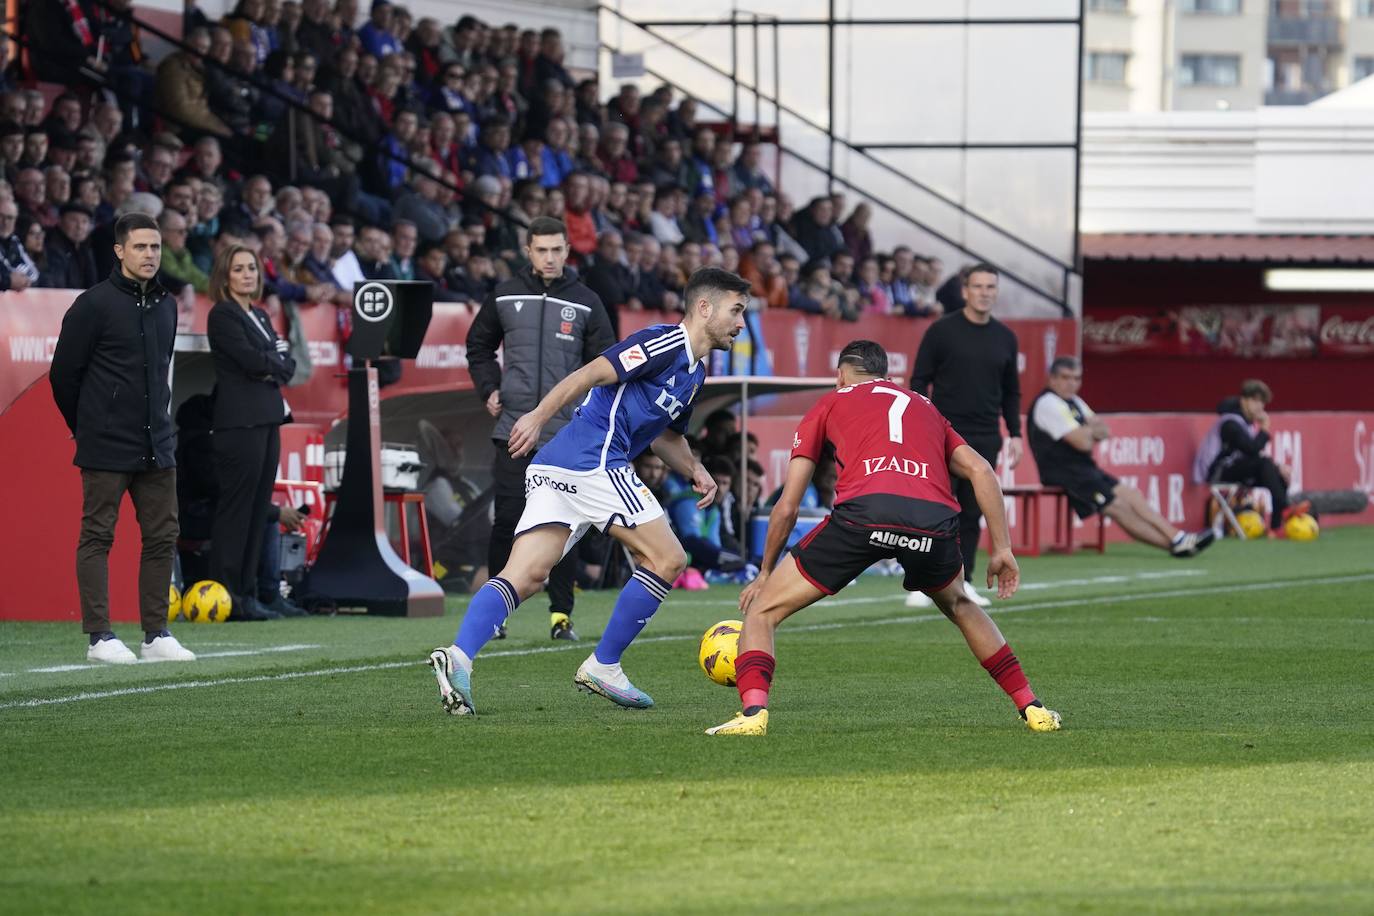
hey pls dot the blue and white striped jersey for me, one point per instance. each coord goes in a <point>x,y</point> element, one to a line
<point>659,376</point>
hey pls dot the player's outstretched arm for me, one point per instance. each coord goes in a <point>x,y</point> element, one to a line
<point>974,468</point>
<point>524,435</point>
<point>672,447</point>
<point>781,521</point>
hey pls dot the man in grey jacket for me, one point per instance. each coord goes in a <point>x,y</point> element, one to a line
<point>550,325</point>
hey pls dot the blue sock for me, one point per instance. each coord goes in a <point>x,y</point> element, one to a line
<point>487,610</point>
<point>638,601</point>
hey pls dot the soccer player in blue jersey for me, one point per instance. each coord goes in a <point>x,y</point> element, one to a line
<point>636,395</point>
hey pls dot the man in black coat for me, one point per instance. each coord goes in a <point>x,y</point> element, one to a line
<point>109,378</point>
<point>71,262</point>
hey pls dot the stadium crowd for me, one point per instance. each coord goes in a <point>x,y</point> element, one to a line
<point>396,148</point>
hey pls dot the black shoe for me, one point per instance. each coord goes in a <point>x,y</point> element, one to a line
<point>280,606</point>
<point>248,609</point>
<point>500,631</point>
<point>563,630</point>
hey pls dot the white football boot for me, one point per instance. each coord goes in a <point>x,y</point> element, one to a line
<point>111,652</point>
<point>165,648</point>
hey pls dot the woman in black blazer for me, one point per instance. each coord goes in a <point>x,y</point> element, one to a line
<point>251,365</point>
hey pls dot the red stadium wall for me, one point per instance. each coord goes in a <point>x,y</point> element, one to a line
<point>1113,290</point>
<point>42,488</point>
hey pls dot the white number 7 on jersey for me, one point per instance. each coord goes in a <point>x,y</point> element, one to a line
<point>894,414</point>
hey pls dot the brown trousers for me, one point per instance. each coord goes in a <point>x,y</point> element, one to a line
<point>154,495</point>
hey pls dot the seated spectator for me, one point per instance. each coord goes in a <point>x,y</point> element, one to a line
<point>702,531</point>
<point>816,231</point>
<point>1062,433</point>
<point>181,90</point>
<point>318,265</point>
<point>651,289</point>
<point>71,262</point>
<point>1232,450</point>
<point>431,263</point>
<point>820,492</point>
<point>746,174</point>
<point>375,35</point>
<point>950,294</point>
<point>404,238</point>
<point>764,273</point>
<point>17,270</point>
<point>488,157</point>
<point>858,240</point>
<point>31,193</point>
<point>664,222</point>
<point>549,64</point>
<point>577,215</point>
<point>872,297</point>
<point>610,279</point>
<point>395,151</point>
<point>177,261</point>
<point>11,150</point>
<point>373,250</point>
<point>614,157</point>
<point>421,206</point>
<point>698,225</point>
<point>34,239</point>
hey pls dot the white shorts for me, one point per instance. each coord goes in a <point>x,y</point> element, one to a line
<point>577,500</point>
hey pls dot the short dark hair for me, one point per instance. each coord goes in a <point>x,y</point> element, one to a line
<point>982,267</point>
<point>719,464</point>
<point>129,222</point>
<point>866,356</point>
<point>712,282</point>
<point>723,415</point>
<point>1064,364</point>
<point>1254,388</point>
<point>547,225</point>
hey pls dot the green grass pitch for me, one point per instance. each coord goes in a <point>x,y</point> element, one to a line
<point>1217,756</point>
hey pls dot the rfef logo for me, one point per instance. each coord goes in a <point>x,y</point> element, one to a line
<point>374,302</point>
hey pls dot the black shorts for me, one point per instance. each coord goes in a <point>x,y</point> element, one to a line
<point>833,555</point>
<point>1090,489</point>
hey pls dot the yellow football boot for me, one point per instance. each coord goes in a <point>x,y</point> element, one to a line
<point>757,724</point>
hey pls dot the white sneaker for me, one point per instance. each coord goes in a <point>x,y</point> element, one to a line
<point>919,600</point>
<point>166,649</point>
<point>111,652</point>
<point>975,597</point>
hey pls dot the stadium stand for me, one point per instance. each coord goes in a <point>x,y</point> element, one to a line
<point>455,128</point>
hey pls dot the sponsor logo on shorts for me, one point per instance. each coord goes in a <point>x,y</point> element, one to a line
<point>632,357</point>
<point>534,481</point>
<point>900,541</point>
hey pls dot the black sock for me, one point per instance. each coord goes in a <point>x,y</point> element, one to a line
<point>150,635</point>
<point>753,710</point>
<point>101,636</point>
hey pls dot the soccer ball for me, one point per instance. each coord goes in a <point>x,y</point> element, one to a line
<point>207,602</point>
<point>173,603</point>
<point>719,646</point>
<point>1301,527</point>
<point>1251,523</point>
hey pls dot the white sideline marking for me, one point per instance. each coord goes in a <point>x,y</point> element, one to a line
<point>266,650</point>
<point>1026,587</point>
<point>812,628</point>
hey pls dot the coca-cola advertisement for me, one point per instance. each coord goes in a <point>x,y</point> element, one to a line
<point>1245,331</point>
<point>1347,336</point>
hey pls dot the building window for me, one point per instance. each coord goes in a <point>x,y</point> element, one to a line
<point>1364,66</point>
<point>1209,70</point>
<point>1111,6</point>
<point>1217,7</point>
<point>1105,67</point>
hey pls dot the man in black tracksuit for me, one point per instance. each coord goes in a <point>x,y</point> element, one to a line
<point>967,361</point>
<point>551,325</point>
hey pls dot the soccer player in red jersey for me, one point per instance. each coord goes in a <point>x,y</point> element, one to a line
<point>895,454</point>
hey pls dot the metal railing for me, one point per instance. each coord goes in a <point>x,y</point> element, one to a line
<point>754,22</point>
